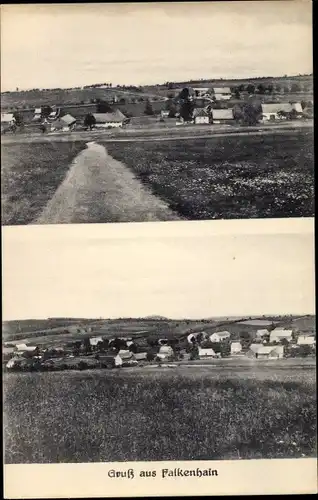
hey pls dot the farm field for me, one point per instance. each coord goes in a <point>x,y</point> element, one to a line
<point>30,175</point>
<point>161,414</point>
<point>228,177</point>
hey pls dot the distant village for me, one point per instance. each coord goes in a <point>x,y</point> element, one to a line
<point>94,349</point>
<point>184,106</point>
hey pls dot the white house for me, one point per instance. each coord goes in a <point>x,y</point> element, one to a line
<point>201,91</point>
<point>222,93</point>
<point>37,115</point>
<point>140,356</point>
<point>306,340</point>
<point>260,351</point>
<point>279,334</point>
<point>95,340</point>
<point>201,116</point>
<point>7,121</point>
<point>236,347</point>
<point>164,113</point>
<point>125,355</point>
<point>206,353</point>
<point>114,119</point>
<point>262,333</point>
<point>222,115</point>
<point>273,111</point>
<point>220,336</point>
<point>166,350</point>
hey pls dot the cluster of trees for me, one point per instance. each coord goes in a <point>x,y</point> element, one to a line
<point>270,88</point>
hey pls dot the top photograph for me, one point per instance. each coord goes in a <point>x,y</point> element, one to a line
<point>156,112</point>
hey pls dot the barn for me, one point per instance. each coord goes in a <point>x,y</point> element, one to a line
<point>114,119</point>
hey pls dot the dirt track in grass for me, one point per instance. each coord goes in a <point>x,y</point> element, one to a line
<point>99,188</point>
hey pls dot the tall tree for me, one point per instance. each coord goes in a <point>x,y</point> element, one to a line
<point>89,121</point>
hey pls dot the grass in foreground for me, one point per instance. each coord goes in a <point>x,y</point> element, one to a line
<point>30,175</point>
<point>107,416</point>
<point>228,177</point>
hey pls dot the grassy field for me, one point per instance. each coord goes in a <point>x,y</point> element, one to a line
<point>159,415</point>
<point>30,174</point>
<point>228,177</point>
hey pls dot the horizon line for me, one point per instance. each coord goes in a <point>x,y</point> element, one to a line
<point>161,84</point>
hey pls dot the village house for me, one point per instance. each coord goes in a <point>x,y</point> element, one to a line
<point>236,347</point>
<point>66,123</point>
<point>165,353</point>
<point>164,113</point>
<point>261,333</point>
<point>110,360</point>
<point>206,352</point>
<point>201,116</point>
<point>279,334</point>
<point>55,113</point>
<point>306,340</point>
<point>94,341</point>
<point>222,93</point>
<point>37,115</point>
<point>7,121</point>
<point>201,91</point>
<point>260,351</point>
<point>141,356</point>
<point>222,115</point>
<point>114,119</point>
<point>220,336</point>
<point>279,111</point>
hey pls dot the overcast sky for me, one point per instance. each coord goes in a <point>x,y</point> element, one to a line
<point>178,270</point>
<point>73,45</point>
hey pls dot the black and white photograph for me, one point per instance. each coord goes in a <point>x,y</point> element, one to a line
<point>179,345</point>
<point>156,111</point>
<point>157,219</point>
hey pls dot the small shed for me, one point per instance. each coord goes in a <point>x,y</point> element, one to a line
<point>65,123</point>
<point>125,355</point>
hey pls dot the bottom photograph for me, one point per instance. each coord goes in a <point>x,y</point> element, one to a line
<point>158,341</point>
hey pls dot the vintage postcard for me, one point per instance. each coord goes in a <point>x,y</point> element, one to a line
<point>156,112</point>
<point>166,354</point>
<point>157,202</point>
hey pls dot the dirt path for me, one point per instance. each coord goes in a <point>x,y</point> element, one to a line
<point>99,188</point>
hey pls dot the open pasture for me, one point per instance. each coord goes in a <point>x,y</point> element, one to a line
<point>160,414</point>
<point>30,174</point>
<point>228,177</point>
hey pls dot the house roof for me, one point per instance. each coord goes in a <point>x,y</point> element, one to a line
<point>125,354</point>
<point>262,331</point>
<point>222,90</point>
<point>7,350</point>
<point>222,334</point>
<point>222,114</point>
<point>206,352</point>
<point>166,349</point>
<point>6,117</point>
<point>68,119</point>
<point>265,349</point>
<point>95,340</point>
<point>279,332</point>
<point>275,107</point>
<point>115,116</point>
<point>200,112</point>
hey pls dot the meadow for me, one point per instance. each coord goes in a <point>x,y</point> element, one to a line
<point>160,414</point>
<point>30,175</point>
<point>228,177</point>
